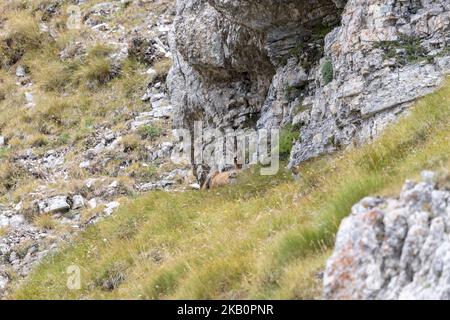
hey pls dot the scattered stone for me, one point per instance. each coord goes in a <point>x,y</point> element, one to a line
<point>2,141</point>
<point>195,186</point>
<point>110,207</point>
<point>58,204</point>
<point>20,72</point>
<point>92,204</point>
<point>29,98</point>
<point>85,164</point>
<point>77,202</point>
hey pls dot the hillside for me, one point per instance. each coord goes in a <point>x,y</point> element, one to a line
<point>264,238</point>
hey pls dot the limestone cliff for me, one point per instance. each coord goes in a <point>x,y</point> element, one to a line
<point>339,71</point>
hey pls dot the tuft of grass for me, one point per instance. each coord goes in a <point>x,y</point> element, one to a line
<point>10,175</point>
<point>38,140</point>
<point>131,142</point>
<point>7,85</point>
<point>149,132</point>
<point>22,34</point>
<point>162,67</point>
<point>45,222</point>
<point>141,172</point>
<point>3,231</point>
<point>95,72</point>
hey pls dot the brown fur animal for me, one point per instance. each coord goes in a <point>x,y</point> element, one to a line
<point>218,179</point>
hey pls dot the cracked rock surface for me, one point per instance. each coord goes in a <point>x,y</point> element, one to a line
<point>394,248</point>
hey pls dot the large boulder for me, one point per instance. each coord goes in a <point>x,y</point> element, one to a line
<point>394,248</point>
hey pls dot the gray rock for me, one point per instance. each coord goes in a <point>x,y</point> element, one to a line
<point>92,204</point>
<point>2,141</point>
<point>77,202</point>
<point>394,248</point>
<point>29,98</point>
<point>58,204</point>
<point>20,72</point>
<point>84,164</point>
<point>111,207</point>
<point>4,279</point>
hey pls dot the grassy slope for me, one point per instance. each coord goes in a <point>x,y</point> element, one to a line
<point>74,97</point>
<point>265,238</point>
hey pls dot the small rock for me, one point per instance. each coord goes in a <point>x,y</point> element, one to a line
<point>58,204</point>
<point>428,177</point>
<point>89,183</point>
<point>195,186</point>
<point>20,72</point>
<point>77,202</point>
<point>85,164</point>
<point>92,204</point>
<point>2,141</point>
<point>113,185</point>
<point>110,207</point>
<point>16,221</point>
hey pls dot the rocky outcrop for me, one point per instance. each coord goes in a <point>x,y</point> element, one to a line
<point>338,71</point>
<point>384,55</point>
<point>394,248</point>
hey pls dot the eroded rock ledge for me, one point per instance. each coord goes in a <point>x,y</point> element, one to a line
<point>265,64</point>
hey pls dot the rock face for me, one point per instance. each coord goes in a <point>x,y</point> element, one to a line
<point>394,248</point>
<point>384,55</point>
<point>339,71</point>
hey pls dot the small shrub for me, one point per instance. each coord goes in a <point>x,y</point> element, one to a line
<point>149,132</point>
<point>112,276</point>
<point>327,72</point>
